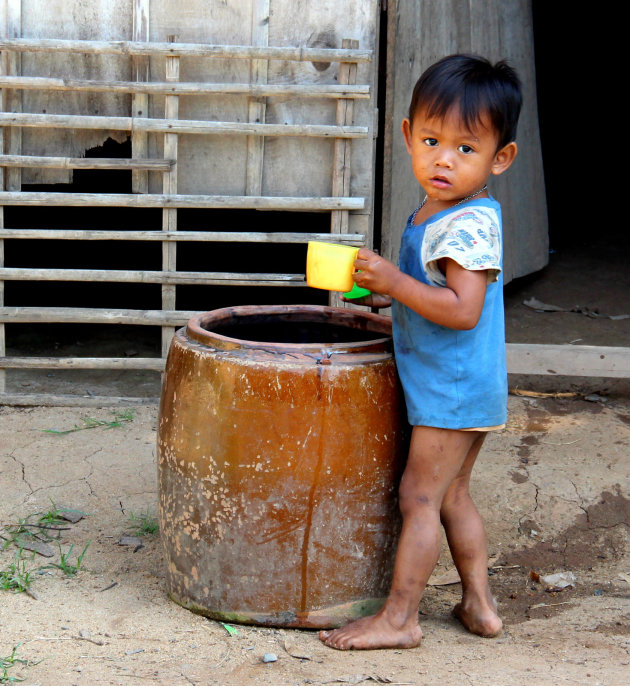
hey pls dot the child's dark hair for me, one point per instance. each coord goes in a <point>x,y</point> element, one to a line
<point>476,87</point>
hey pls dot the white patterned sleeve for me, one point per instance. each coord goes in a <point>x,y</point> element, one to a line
<point>470,237</point>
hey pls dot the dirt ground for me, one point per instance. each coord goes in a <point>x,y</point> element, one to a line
<point>553,487</point>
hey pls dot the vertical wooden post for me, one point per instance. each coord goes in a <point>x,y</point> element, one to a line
<point>13,98</point>
<point>3,350</point>
<point>169,187</point>
<point>140,101</point>
<point>10,101</point>
<point>342,152</point>
<point>257,106</point>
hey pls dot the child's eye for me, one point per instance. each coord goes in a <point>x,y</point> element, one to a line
<point>466,149</point>
<point>430,141</point>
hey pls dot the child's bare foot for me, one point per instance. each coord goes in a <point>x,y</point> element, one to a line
<point>479,618</point>
<point>371,633</point>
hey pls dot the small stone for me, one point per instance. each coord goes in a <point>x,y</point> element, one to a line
<point>130,540</point>
<point>270,657</point>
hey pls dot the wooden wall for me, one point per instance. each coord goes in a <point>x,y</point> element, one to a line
<point>419,33</point>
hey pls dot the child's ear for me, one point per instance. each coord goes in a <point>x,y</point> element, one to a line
<point>406,131</point>
<point>504,158</point>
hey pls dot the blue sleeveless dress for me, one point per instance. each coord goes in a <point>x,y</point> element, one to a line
<point>453,379</point>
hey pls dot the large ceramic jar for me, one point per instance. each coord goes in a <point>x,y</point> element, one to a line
<point>280,444</point>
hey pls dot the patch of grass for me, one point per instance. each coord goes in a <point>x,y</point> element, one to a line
<point>64,564</point>
<point>144,524</point>
<point>10,661</point>
<point>16,577</point>
<point>119,419</point>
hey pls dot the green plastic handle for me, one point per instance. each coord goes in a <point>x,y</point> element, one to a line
<point>357,292</point>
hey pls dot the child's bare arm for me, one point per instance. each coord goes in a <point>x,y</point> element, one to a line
<point>376,300</point>
<point>458,305</point>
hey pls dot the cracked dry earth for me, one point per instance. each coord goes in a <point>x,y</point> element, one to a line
<point>554,488</point>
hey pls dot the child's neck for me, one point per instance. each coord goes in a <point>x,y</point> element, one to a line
<point>429,207</point>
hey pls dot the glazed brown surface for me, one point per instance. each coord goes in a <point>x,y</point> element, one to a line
<point>278,465</point>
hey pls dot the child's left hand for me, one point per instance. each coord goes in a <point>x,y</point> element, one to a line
<point>375,272</point>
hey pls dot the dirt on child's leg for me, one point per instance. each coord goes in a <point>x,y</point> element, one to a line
<point>435,458</point>
<point>466,537</point>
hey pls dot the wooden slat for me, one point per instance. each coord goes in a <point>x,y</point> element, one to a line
<point>343,147</point>
<point>13,98</point>
<point>52,400</point>
<point>173,278</point>
<point>169,187</point>
<point>3,102</point>
<point>143,363</point>
<point>188,126</point>
<point>257,107</point>
<point>342,155</point>
<point>302,90</point>
<point>2,328</point>
<point>298,54</point>
<point>42,162</point>
<point>357,239</point>
<point>232,202</point>
<point>85,315</point>
<point>569,360</point>
<point>140,101</point>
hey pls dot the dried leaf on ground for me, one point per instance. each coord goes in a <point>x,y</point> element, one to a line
<point>36,546</point>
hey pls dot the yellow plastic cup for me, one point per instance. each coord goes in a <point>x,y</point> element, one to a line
<point>330,266</point>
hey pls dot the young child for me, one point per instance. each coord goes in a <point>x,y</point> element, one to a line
<point>449,340</point>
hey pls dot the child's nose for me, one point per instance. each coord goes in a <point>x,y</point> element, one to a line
<point>444,159</point>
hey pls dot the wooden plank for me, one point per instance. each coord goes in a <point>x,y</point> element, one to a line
<point>172,278</point>
<point>140,101</point>
<point>2,327</point>
<point>13,101</point>
<point>139,363</point>
<point>3,98</point>
<point>169,187</point>
<point>298,54</point>
<point>80,315</point>
<point>188,126</point>
<point>257,90</point>
<point>568,360</point>
<point>357,239</point>
<point>84,162</point>
<point>231,202</point>
<point>256,107</point>
<point>342,155</point>
<point>343,149</point>
<point>52,400</point>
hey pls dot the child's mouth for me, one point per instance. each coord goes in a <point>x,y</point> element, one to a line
<point>440,182</point>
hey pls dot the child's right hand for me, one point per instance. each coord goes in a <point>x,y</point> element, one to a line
<point>375,300</point>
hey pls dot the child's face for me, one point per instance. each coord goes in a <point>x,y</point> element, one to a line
<point>451,161</point>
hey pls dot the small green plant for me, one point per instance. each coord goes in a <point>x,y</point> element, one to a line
<point>91,423</point>
<point>64,564</point>
<point>144,524</point>
<point>16,577</point>
<point>10,661</point>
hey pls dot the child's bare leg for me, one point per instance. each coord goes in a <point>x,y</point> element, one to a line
<point>435,458</point>
<point>467,540</point>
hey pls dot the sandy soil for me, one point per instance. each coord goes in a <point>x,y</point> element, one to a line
<point>554,488</point>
